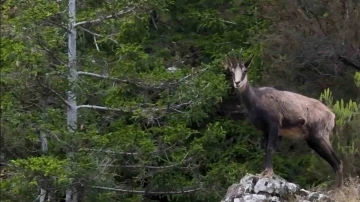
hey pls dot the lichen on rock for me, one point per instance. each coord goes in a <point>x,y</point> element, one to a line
<point>254,188</point>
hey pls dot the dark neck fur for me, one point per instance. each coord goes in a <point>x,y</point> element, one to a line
<point>247,96</point>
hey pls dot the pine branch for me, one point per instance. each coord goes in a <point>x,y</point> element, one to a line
<point>54,92</point>
<point>119,14</point>
<point>138,84</point>
<point>40,42</point>
<point>30,104</point>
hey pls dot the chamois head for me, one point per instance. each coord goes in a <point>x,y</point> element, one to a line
<point>238,70</point>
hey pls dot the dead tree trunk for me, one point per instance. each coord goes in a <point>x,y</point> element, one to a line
<point>44,149</point>
<point>71,193</point>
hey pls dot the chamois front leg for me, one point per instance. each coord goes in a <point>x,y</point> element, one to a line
<point>270,150</point>
<point>265,139</point>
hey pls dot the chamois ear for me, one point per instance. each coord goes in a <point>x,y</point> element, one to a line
<point>225,64</point>
<point>248,62</point>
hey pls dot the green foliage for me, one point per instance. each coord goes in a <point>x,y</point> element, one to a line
<point>347,136</point>
<point>43,166</point>
<point>357,79</point>
<point>28,174</point>
<point>164,130</point>
<point>343,111</point>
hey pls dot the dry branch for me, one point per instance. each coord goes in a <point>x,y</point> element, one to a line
<point>104,77</point>
<point>349,63</point>
<point>144,85</point>
<point>144,110</point>
<point>96,34</point>
<point>174,165</point>
<point>119,14</point>
<point>147,192</point>
<point>110,151</point>
<point>100,108</point>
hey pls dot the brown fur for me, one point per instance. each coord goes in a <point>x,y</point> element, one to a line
<point>295,113</point>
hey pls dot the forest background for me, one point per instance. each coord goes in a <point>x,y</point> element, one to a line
<point>127,101</point>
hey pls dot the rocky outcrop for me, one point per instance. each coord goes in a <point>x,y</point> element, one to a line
<point>253,188</point>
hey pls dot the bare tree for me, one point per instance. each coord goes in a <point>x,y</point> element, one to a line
<point>74,192</point>
<point>313,43</point>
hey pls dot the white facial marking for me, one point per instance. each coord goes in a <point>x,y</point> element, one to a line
<point>237,76</point>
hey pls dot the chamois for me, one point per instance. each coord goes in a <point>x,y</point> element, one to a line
<point>283,113</point>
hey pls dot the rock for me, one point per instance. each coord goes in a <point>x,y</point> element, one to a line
<point>292,187</point>
<point>253,197</point>
<point>253,188</point>
<point>248,183</point>
<point>315,196</point>
<point>274,199</point>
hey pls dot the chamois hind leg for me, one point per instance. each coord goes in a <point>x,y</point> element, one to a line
<point>271,143</point>
<point>322,146</point>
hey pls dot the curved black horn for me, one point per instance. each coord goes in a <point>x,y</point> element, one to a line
<point>248,61</point>
<point>240,53</point>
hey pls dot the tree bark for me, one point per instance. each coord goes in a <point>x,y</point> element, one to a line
<point>71,193</point>
<point>44,149</point>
